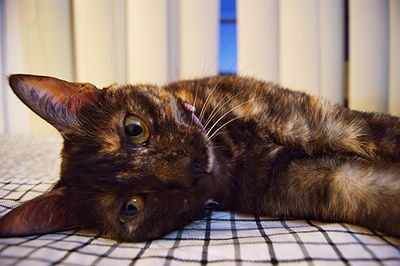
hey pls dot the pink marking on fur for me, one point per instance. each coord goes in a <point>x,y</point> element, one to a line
<point>192,109</point>
<point>196,121</point>
<point>189,107</point>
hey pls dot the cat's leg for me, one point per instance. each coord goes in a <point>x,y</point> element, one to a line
<point>316,126</point>
<point>341,189</point>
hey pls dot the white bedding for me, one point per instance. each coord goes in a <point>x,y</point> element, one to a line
<point>29,166</point>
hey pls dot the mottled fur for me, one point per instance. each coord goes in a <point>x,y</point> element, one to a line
<point>277,152</point>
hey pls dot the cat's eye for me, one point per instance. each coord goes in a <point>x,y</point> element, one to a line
<point>131,208</point>
<point>136,129</point>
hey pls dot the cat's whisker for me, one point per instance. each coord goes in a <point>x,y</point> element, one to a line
<point>216,109</point>
<point>207,101</point>
<point>195,96</point>
<point>217,84</point>
<point>213,114</point>
<point>225,124</point>
<point>228,112</point>
<point>188,127</point>
<point>216,135</point>
<point>237,59</point>
<point>218,147</point>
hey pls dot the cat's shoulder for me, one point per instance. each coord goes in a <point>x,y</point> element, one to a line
<point>227,81</point>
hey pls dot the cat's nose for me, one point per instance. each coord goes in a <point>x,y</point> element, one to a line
<point>180,169</point>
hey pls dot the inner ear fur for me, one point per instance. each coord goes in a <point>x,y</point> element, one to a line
<point>55,100</point>
<point>49,212</point>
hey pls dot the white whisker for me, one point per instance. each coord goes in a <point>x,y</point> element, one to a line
<point>206,101</point>
<point>225,124</point>
<point>230,111</point>
<point>212,115</point>
<point>212,112</point>
<point>195,97</point>
<point>237,59</point>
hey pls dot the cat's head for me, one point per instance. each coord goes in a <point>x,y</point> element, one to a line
<point>135,162</point>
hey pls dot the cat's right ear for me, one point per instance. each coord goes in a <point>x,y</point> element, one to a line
<point>57,101</point>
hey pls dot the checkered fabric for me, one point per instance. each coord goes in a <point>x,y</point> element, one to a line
<point>29,166</point>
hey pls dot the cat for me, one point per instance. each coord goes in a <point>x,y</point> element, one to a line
<point>139,161</point>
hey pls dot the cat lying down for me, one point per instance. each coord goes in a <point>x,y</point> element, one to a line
<point>139,161</point>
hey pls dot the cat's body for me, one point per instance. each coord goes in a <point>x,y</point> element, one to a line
<point>257,149</point>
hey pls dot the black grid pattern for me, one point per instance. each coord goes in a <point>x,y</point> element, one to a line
<point>220,239</point>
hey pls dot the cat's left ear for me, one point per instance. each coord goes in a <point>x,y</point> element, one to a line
<point>47,213</point>
<point>56,101</point>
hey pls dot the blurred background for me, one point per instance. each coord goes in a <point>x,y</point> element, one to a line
<point>347,51</point>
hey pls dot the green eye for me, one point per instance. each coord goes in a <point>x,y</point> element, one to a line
<point>131,209</point>
<point>136,129</point>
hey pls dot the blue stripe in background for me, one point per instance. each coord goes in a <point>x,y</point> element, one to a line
<point>227,64</point>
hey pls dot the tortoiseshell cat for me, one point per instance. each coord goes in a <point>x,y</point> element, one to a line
<point>141,160</point>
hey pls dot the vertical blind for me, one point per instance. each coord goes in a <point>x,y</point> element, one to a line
<point>297,43</point>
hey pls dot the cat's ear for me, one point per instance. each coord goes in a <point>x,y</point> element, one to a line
<point>46,213</point>
<point>57,101</point>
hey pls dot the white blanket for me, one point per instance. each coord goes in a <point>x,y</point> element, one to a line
<point>29,167</point>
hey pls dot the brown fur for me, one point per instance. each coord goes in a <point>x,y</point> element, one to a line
<point>264,150</point>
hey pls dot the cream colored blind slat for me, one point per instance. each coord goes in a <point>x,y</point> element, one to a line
<point>311,47</point>
<point>258,39</point>
<point>173,56</point>
<point>3,78</point>
<point>299,45</point>
<point>394,58</point>
<point>147,41</point>
<point>368,62</point>
<point>38,42</point>
<point>99,39</point>
<point>15,63</point>
<point>331,49</point>
<point>198,40</point>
